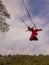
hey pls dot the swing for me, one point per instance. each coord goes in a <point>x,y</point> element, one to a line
<point>34,31</point>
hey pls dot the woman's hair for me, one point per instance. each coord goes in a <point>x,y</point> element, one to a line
<point>31,29</point>
<point>28,27</point>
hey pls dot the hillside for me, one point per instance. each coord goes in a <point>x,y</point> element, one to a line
<point>24,60</point>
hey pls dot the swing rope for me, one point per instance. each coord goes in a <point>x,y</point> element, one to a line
<point>28,13</point>
<point>18,15</point>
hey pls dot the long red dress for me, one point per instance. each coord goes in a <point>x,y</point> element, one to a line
<point>33,35</point>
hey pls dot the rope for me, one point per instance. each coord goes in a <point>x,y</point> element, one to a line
<point>28,13</point>
<point>18,15</point>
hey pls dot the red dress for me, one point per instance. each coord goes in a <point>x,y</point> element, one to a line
<point>33,35</point>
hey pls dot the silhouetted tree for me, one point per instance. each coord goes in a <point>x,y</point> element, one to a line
<point>4,27</point>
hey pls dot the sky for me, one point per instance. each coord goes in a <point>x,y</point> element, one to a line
<point>16,40</point>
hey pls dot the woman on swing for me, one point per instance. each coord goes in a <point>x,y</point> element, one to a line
<point>34,33</point>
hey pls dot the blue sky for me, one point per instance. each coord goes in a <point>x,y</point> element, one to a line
<point>16,41</point>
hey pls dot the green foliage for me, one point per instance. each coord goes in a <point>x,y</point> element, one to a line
<point>24,60</point>
<point>4,27</point>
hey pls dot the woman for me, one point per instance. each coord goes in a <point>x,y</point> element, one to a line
<point>34,33</point>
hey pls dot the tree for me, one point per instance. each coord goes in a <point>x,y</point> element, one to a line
<point>4,27</point>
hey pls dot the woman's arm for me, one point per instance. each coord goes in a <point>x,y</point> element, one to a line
<point>39,29</point>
